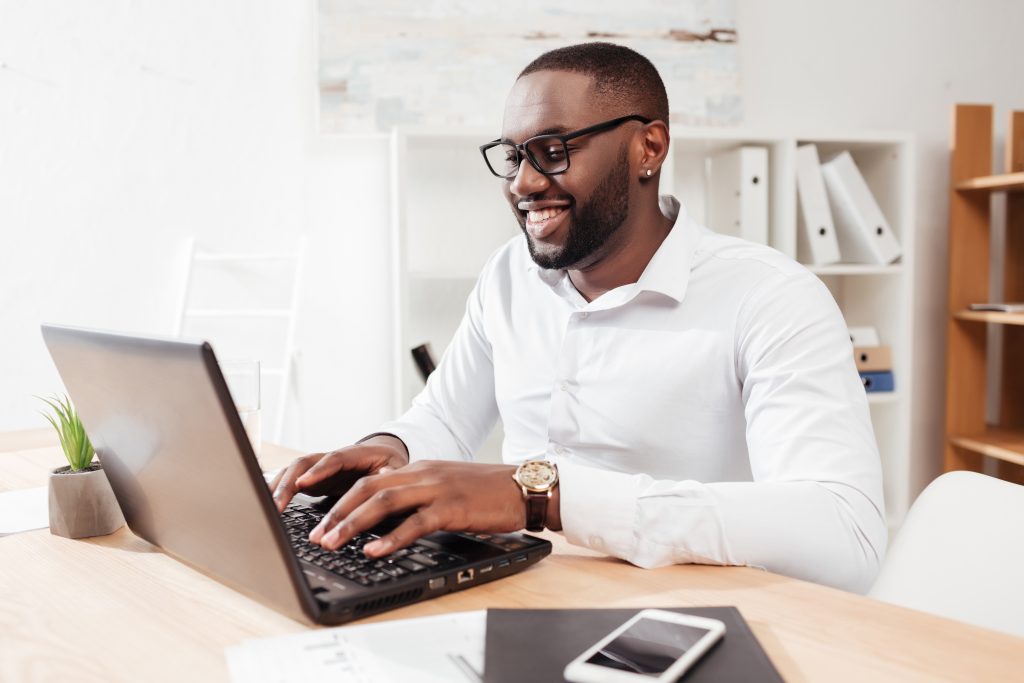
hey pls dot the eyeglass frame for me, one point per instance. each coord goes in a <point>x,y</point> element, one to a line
<point>522,153</point>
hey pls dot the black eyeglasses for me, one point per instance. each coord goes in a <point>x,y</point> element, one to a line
<point>546,153</point>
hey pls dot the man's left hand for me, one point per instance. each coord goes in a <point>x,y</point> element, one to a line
<point>453,496</point>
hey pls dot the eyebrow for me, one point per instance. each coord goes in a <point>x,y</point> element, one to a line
<point>551,130</point>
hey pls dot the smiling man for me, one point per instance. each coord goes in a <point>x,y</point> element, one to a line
<point>668,395</point>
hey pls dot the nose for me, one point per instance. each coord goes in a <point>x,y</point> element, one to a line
<point>528,180</point>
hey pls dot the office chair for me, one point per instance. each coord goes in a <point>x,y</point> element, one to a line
<point>960,553</point>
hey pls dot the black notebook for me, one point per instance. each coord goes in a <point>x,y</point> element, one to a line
<point>536,644</point>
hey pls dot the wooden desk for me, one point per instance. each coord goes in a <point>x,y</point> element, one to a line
<point>117,609</point>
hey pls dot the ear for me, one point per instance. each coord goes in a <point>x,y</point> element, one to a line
<point>653,146</point>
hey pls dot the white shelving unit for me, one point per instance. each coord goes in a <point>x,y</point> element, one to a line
<point>449,215</point>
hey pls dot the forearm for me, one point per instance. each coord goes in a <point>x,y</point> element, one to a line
<point>828,533</point>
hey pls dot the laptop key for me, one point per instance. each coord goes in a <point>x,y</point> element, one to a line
<point>422,559</point>
<point>411,565</point>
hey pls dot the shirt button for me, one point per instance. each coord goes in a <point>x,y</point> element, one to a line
<point>583,315</point>
<point>559,450</point>
<point>564,386</point>
<point>596,542</point>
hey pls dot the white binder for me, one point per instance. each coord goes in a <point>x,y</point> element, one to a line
<point>816,236</point>
<point>864,336</point>
<point>737,193</point>
<point>863,233</point>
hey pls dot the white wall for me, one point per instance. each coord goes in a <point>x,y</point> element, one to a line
<point>896,64</point>
<point>125,127</point>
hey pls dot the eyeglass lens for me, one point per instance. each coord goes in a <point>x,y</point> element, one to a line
<point>547,153</point>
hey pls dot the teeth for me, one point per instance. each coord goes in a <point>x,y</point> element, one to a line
<point>544,214</point>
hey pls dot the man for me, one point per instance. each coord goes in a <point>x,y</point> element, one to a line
<point>678,396</point>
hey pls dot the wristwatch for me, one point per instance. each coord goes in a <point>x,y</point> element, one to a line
<point>537,478</point>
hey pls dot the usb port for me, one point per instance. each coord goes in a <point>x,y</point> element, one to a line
<point>465,575</point>
<point>486,568</point>
<point>503,563</point>
<point>520,558</point>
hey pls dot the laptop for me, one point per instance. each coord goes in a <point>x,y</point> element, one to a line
<point>181,466</point>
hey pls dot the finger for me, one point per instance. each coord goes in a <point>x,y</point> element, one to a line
<point>343,460</point>
<point>385,503</point>
<point>359,493</point>
<point>355,496</point>
<point>424,521</point>
<point>285,486</point>
<point>277,479</point>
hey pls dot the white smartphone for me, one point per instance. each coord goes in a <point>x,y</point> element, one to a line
<point>655,645</point>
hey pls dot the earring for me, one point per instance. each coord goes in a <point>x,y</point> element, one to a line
<point>648,172</point>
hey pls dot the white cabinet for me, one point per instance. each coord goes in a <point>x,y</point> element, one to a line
<point>449,215</point>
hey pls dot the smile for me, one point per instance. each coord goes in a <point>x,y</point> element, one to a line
<point>542,222</point>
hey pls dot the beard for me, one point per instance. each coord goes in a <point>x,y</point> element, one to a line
<point>592,224</point>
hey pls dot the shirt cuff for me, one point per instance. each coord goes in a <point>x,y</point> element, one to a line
<point>598,508</point>
<point>423,439</point>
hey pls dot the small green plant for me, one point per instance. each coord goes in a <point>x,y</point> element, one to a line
<point>73,439</point>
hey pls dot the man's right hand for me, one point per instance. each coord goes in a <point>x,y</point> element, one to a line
<point>322,474</point>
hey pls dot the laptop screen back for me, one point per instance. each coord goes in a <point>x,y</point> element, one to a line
<point>169,438</point>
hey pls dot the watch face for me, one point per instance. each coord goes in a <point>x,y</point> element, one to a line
<point>538,475</point>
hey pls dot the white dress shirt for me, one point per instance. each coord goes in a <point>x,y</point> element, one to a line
<point>709,413</point>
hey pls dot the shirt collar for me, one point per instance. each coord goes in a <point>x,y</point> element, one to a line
<point>668,271</point>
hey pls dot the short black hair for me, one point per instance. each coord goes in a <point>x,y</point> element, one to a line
<point>621,76</point>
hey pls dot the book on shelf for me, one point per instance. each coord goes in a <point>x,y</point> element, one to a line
<point>1015,307</point>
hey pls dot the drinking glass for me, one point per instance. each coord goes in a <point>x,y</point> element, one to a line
<point>243,380</point>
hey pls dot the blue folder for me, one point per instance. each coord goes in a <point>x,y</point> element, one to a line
<point>877,381</point>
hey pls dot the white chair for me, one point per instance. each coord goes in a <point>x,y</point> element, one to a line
<point>960,553</point>
<point>201,320</point>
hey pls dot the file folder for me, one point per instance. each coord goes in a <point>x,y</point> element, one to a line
<point>877,381</point>
<point>864,336</point>
<point>816,236</point>
<point>737,193</point>
<point>872,358</point>
<point>863,233</point>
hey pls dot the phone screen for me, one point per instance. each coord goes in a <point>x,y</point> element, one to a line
<point>648,647</point>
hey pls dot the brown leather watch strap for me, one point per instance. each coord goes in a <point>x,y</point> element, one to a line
<point>536,509</point>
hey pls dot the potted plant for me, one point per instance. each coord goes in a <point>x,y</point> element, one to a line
<point>81,501</point>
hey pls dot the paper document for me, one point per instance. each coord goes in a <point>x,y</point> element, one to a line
<point>23,510</point>
<point>446,648</point>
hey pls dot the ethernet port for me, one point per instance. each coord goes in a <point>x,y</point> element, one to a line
<point>465,575</point>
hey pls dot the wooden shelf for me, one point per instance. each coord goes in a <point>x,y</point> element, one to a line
<point>971,443</point>
<point>991,317</point>
<point>996,442</point>
<point>1004,182</point>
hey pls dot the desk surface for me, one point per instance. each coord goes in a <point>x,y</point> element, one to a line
<point>115,608</point>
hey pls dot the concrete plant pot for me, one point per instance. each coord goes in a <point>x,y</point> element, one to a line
<point>82,504</point>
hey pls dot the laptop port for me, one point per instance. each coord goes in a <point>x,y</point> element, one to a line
<point>520,558</point>
<point>465,575</point>
<point>486,568</point>
<point>504,563</point>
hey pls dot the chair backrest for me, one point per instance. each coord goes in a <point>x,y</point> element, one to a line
<point>960,553</point>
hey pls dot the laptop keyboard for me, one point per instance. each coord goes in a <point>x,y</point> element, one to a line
<point>350,562</point>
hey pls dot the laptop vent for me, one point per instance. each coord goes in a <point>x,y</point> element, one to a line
<point>387,601</point>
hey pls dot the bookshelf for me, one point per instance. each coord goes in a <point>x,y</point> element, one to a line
<point>438,252</point>
<point>972,443</point>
